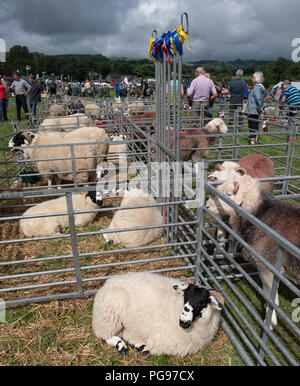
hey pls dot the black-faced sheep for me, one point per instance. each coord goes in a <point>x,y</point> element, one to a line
<point>200,145</point>
<point>48,226</point>
<point>86,156</point>
<point>133,218</point>
<point>156,314</point>
<point>282,217</point>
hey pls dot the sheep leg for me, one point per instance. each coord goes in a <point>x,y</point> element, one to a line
<point>135,342</point>
<point>267,280</point>
<point>221,236</point>
<point>119,343</point>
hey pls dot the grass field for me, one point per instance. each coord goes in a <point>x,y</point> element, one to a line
<point>59,332</point>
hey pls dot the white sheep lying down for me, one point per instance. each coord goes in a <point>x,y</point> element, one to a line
<point>48,226</point>
<point>133,218</point>
<point>149,312</point>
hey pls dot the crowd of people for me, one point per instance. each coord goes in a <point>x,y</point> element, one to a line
<point>201,94</point>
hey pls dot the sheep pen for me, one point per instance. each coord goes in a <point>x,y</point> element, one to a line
<point>77,262</point>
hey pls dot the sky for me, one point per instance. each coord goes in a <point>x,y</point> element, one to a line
<point>219,29</point>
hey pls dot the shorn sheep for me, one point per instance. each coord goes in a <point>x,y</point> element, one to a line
<point>200,145</point>
<point>156,314</point>
<point>47,226</point>
<point>133,218</point>
<point>85,167</point>
<point>282,217</point>
<point>255,165</point>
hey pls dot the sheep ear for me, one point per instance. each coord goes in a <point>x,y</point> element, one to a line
<point>219,168</point>
<point>217,299</point>
<point>181,288</point>
<point>236,187</point>
<point>240,171</point>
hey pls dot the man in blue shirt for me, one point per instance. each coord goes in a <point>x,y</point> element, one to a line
<point>237,90</point>
<point>291,96</point>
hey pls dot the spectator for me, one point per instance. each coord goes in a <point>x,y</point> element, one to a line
<point>3,96</point>
<point>87,88</point>
<point>291,96</point>
<point>35,94</point>
<point>185,87</point>
<point>144,87</point>
<point>53,87</point>
<point>21,89</point>
<point>172,89</point>
<point>4,102</point>
<point>200,93</point>
<point>222,95</point>
<point>237,90</point>
<point>256,105</point>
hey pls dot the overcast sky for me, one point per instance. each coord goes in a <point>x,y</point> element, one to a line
<point>219,29</point>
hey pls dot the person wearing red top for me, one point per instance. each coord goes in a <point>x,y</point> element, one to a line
<point>2,101</point>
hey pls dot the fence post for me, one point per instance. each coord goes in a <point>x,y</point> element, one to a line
<point>289,160</point>
<point>201,183</point>
<point>74,165</point>
<point>273,293</point>
<point>235,152</point>
<point>74,244</point>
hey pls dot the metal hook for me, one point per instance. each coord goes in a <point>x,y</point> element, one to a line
<point>187,22</point>
<point>154,34</point>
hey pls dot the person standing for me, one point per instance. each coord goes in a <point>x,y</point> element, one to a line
<point>200,93</point>
<point>21,89</point>
<point>291,96</point>
<point>144,87</point>
<point>3,96</point>
<point>237,90</point>
<point>256,105</point>
<point>53,87</point>
<point>35,94</point>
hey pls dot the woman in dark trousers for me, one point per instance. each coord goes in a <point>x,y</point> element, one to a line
<point>256,105</point>
<point>35,94</point>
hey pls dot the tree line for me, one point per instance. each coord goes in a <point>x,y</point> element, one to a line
<point>78,67</point>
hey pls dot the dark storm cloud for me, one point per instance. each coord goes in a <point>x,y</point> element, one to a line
<point>222,29</point>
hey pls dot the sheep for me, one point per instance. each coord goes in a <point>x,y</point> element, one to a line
<point>48,226</point>
<point>255,165</point>
<point>57,110</point>
<point>200,145</point>
<point>132,218</point>
<point>90,134</point>
<point>156,314</point>
<point>66,123</point>
<point>92,109</point>
<point>282,217</point>
<point>135,108</point>
<point>85,167</point>
<point>116,152</point>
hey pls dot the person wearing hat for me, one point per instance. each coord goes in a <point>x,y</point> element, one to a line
<point>3,105</point>
<point>237,90</point>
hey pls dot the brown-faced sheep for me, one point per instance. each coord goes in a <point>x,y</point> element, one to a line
<point>282,217</point>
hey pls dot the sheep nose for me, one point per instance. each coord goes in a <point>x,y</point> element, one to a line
<point>185,325</point>
<point>99,202</point>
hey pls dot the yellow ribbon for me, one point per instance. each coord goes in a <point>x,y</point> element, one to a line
<point>150,49</point>
<point>183,35</point>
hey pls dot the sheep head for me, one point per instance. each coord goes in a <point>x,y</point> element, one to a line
<point>244,191</point>
<point>226,171</point>
<point>24,138</point>
<point>217,126</point>
<point>199,303</point>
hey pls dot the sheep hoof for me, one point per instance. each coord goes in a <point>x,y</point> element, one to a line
<point>123,351</point>
<point>145,352</point>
